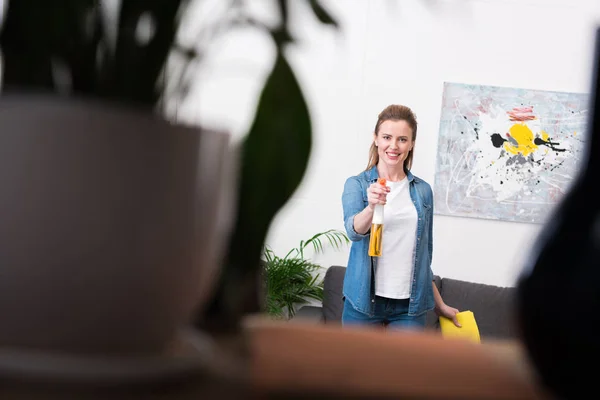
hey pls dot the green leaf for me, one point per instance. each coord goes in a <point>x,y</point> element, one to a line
<point>283,11</point>
<point>290,282</point>
<point>137,67</point>
<point>281,34</point>
<point>274,157</point>
<point>334,237</point>
<point>322,14</point>
<point>35,34</point>
<point>275,152</point>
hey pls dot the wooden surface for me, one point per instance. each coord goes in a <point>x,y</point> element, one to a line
<point>336,362</point>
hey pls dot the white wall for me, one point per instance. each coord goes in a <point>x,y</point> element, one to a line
<point>400,52</point>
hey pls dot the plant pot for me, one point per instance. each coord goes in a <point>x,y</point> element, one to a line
<point>114,222</point>
<point>193,368</point>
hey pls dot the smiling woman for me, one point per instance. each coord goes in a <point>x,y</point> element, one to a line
<point>395,288</point>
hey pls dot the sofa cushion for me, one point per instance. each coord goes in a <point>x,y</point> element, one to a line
<point>333,303</point>
<point>493,306</point>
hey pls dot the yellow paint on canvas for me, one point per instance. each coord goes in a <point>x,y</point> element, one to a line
<point>524,138</point>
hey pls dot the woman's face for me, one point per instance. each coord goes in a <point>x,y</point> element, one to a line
<point>394,142</point>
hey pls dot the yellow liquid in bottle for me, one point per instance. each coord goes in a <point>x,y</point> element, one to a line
<point>375,241</point>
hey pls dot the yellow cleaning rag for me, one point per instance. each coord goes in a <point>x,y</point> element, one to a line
<point>468,330</point>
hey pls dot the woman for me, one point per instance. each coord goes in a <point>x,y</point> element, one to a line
<point>395,289</point>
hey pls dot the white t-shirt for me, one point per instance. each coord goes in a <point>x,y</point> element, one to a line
<point>395,265</point>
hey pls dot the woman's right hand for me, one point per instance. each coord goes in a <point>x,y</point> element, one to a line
<point>376,194</point>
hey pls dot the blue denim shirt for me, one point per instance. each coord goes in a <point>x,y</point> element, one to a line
<point>359,285</point>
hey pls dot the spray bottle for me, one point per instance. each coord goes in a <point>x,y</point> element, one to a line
<point>377,228</point>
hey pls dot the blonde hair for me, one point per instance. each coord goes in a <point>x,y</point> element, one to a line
<point>394,112</point>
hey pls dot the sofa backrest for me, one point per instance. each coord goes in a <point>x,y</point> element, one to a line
<point>491,305</point>
<point>333,298</point>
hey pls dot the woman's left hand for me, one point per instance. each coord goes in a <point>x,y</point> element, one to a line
<point>448,312</point>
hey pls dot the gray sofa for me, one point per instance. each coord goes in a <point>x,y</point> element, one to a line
<point>491,305</point>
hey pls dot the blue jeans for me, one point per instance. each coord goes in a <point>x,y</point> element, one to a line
<point>392,313</point>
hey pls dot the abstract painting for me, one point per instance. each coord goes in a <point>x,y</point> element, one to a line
<point>507,154</point>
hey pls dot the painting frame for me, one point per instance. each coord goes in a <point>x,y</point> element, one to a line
<point>507,153</point>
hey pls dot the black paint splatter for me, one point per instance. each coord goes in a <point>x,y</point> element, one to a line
<point>557,165</point>
<point>497,140</point>
<point>541,142</point>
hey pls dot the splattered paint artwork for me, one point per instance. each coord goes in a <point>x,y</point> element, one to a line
<point>507,154</point>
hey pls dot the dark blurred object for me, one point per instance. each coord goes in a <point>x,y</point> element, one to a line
<point>559,286</point>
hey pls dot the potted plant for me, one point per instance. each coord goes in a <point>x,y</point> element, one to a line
<point>116,218</point>
<point>293,280</point>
